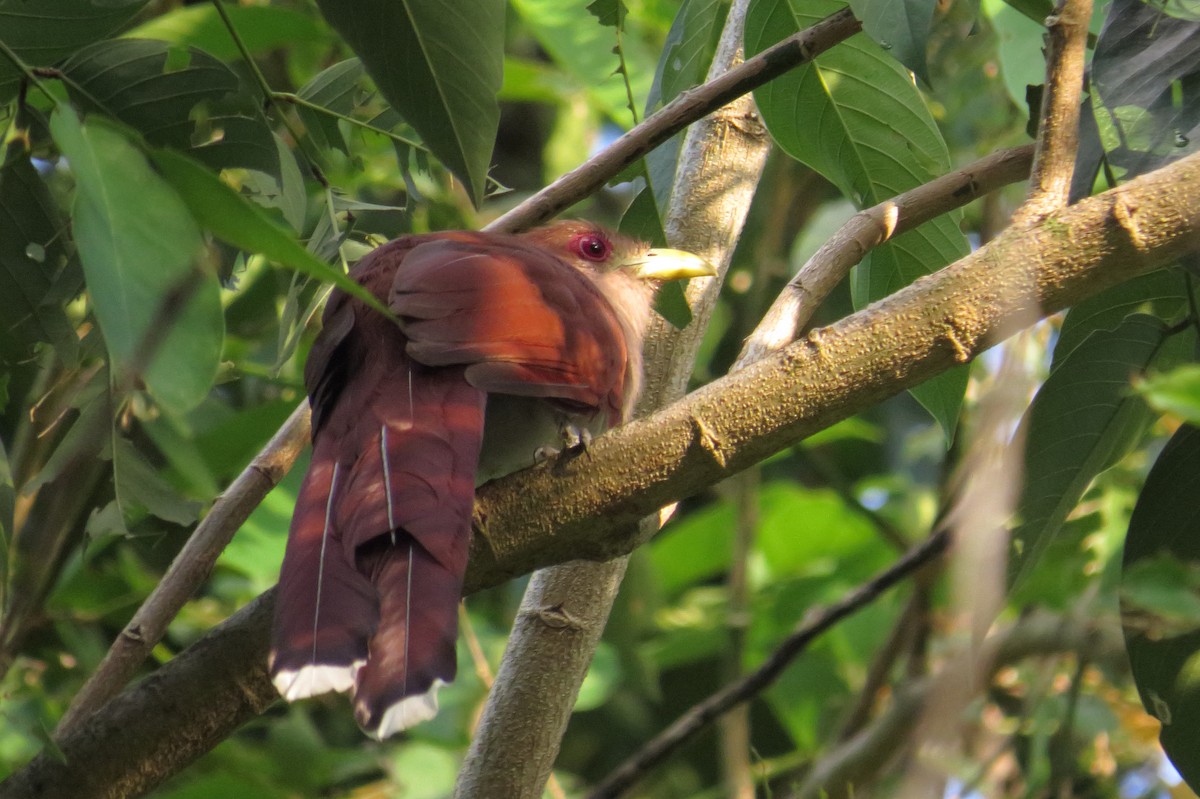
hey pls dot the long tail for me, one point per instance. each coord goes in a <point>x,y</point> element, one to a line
<point>372,577</point>
<point>412,653</point>
<point>325,610</point>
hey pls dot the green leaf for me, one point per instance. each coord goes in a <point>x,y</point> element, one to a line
<point>1163,546</point>
<point>1176,392</point>
<point>236,220</point>
<point>334,88</point>
<point>440,65</point>
<point>611,13</point>
<point>1019,47</point>
<point>261,28</point>
<point>139,247</point>
<point>44,31</point>
<point>141,490</point>
<point>1162,293</point>
<point>683,64</point>
<point>578,42</point>
<point>1083,420</point>
<point>37,271</point>
<point>176,97</point>
<point>899,26</point>
<point>855,116</point>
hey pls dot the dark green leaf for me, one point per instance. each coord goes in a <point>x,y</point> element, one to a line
<point>37,272</point>
<point>140,249</point>
<point>234,219</point>
<point>683,64</point>
<point>1164,540</point>
<point>334,88</point>
<point>140,490</point>
<point>855,116</point>
<point>176,97</point>
<point>41,32</point>
<point>440,65</point>
<point>1162,293</point>
<point>1144,59</point>
<point>1084,419</point>
<point>899,26</point>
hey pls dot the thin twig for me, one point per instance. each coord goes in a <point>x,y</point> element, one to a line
<point>27,72</point>
<point>268,94</point>
<point>189,570</point>
<point>701,715</point>
<point>866,230</point>
<point>793,51</point>
<point>1058,126</point>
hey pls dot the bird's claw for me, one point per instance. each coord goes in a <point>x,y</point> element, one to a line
<point>575,442</point>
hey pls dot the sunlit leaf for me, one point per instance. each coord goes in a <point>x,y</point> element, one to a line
<point>140,249</point>
<point>1084,419</point>
<point>579,43</point>
<point>855,116</point>
<point>1176,392</point>
<point>260,27</point>
<point>440,65</point>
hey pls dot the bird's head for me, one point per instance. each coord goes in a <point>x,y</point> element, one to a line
<point>589,246</point>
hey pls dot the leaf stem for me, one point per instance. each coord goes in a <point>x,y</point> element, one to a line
<point>301,140</point>
<point>295,99</point>
<point>26,71</point>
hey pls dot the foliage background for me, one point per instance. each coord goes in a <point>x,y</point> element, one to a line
<point>127,407</point>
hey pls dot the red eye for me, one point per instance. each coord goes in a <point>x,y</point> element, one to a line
<point>593,247</point>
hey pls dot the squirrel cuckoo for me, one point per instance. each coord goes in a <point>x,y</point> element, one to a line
<point>506,344</point>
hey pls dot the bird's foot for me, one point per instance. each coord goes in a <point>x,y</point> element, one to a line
<point>575,442</point>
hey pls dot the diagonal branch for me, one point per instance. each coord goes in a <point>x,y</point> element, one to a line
<point>696,719</point>
<point>536,519</point>
<point>865,231</point>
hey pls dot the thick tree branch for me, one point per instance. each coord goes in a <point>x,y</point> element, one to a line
<point>535,518</point>
<point>1058,123</point>
<point>865,231</point>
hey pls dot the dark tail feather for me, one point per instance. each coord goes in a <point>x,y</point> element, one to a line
<point>412,652</point>
<point>325,610</point>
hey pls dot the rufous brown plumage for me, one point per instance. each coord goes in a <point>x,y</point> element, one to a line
<point>504,343</point>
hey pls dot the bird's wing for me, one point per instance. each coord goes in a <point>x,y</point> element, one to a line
<point>521,321</point>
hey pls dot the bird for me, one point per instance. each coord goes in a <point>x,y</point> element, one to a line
<point>506,346</point>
